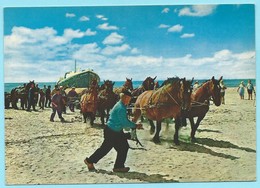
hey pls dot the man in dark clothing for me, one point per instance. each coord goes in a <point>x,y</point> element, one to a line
<point>48,97</point>
<point>31,98</point>
<point>57,103</point>
<point>72,96</point>
<point>114,137</point>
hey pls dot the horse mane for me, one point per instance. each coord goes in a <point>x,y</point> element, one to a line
<point>170,81</point>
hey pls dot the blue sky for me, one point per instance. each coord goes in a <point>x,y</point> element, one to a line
<point>198,41</point>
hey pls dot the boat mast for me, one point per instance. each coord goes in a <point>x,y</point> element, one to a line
<point>75,66</point>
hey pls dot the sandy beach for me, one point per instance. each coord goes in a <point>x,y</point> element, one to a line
<point>38,151</point>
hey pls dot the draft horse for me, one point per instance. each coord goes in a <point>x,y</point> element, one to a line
<point>200,103</point>
<point>148,84</point>
<point>88,102</point>
<point>106,100</point>
<point>166,102</point>
<point>128,85</point>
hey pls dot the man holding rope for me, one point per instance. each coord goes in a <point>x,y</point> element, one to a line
<point>114,137</point>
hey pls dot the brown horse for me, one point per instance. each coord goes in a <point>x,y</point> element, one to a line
<point>148,84</point>
<point>128,85</point>
<point>88,102</point>
<point>200,103</point>
<point>166,102</point>
<point>106,100</point>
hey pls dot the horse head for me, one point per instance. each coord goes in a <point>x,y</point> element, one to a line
<point>185,93</point>
<point>94,86</point>
<point>214,90</point>
<point>109,86</point>
<point>128,84</point>
<point>148,83</point>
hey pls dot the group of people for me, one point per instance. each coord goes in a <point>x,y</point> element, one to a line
<point>249,87</point>
<point>55,99</point>
<point>59,100</point>
<point>38,96</point>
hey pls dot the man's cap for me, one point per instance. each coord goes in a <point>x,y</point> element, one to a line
<point>126,92</point>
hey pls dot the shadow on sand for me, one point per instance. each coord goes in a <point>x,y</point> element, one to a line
<point>153,178</point>
<point>200,144</point>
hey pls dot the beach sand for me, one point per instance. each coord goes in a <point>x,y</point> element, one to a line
<point>41,152</point>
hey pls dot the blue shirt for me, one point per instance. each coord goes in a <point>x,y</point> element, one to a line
<point>118,118</point>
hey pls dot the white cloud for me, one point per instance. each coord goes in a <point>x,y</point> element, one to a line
<point>163,26</point>
<point>42,55</point>
<point>187,35</point>
<point>113,38</point>
<point>84,18</point>
<point>176,28</point>
<point>70,34</point>
<point>102,17</point>
<point>90,33</point>
<point>197,10</point>
<point>106,26</point>
<point>113,50</point>
<point>135,51</point>
<point>70,15</point>
<point>165,10</point>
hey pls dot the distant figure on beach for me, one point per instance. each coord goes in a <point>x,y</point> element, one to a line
<point>64,97</point>
<point>48,97</point>
<point>37,91</point>
<point>31,98</point>
<point>196,85</point>
<point>222,91</point>
<point>250,90</point>
<point>114,136</point>
<point>72,96</point>
<point>241,90</point>
<point>42,99</point>
<point>57,103</point>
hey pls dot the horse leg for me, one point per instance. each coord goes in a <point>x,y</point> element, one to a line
<point>102,117</point>
<point>200,118</point>
<point>92,118</point>
<point>156,137</point>
<point>85,117</point>
<point>152,129</point>
<point>177,127</point>
<point>193,130</point>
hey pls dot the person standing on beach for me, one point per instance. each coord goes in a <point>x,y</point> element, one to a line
<point>57,103</point>
<point>42,99</point>
<point>72,95</point>
<point>250,90</point>
<point>222,91</point>
<point>241,89</point>
<point>114,137</point>
<point>48,97</point>
<point>31,98</point>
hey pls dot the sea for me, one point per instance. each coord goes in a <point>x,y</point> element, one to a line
<point>228,82</point>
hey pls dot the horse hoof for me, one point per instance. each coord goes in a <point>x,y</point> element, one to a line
<point>176,142</point>
<point>193,140</point>
<point>156,141</point>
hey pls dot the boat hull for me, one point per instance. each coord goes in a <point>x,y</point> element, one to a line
<point>80,80</point>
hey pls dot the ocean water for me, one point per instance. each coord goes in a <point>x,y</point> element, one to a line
<point>228,82</point>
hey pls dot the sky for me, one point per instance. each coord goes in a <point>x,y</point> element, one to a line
<point>197,41</point>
